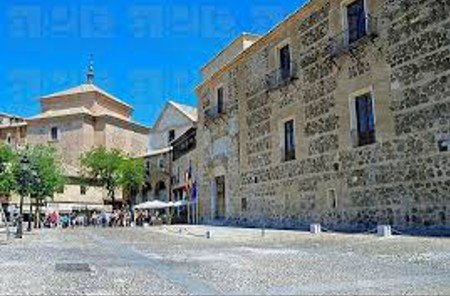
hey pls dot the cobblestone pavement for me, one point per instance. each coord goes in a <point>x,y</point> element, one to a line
<point>181,260</point>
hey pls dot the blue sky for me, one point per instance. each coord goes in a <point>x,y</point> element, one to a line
<point>145,52</point>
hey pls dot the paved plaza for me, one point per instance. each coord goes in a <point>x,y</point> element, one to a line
<point>181,260</point>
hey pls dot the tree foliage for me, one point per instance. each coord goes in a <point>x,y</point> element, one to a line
<point>132,175</point>
<point>47,174</point>
<point>43,175</point>
<point>112,168</point>
<point>7,162</point>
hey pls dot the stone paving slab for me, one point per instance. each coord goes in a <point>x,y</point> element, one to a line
<point>165,261</point>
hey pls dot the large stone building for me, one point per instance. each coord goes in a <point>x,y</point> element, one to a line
<point>339,115</point>
<point>76,120</point>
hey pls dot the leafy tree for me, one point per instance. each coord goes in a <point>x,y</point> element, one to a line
<point>104,166</point>
<point>132,175</point>
<point>47,174</point>
<point>7,163</point>
<point>112,169</point>
<point>41,178</point>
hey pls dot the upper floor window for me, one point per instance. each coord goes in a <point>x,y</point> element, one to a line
<point>220,100</point>
<point>365,120</point>
<point>285,62</point>
<point>356,21</point>
<point>161,163</point>
<point>289,140</point>
<point>171,136</point>
<point>54,134</point>
<point>83,189</point>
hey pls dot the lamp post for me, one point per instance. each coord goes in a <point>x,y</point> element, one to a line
<point>24,167</point>
<point>37,181</point>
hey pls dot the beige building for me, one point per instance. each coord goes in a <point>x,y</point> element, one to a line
<point>13,130</point>
<point>76,120</point>
<point>162,172</point>
<point>338,115</point>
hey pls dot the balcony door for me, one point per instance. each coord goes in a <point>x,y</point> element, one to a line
<point>356,17</point>
<point>285,62</point>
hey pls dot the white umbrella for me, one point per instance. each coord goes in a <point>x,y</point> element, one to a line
<point>178,204</point>
<point>152,205</point>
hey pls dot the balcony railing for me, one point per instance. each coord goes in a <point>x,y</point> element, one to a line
<point>282,76</point>
<point>350,38</point>
<point>214,113</point>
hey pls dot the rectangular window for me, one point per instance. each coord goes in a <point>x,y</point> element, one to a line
<point>365,120</point>
<point>356,21</point>
<point>285,62</point>
<point>54,134</point>
<point>83,189</point>
<point>244,204</point>
<point>444,145</point>
<point>289,141</point>
<point>171,136</point>
<point>220,100</point>
<point>60,189</point>
<point>332,198</point>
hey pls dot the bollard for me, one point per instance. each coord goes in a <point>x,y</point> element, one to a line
<point>315,228</point>
<point>208,234</point>
<point>384,230</point>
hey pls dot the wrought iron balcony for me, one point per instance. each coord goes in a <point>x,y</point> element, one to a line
<point>214,113</point>
<point>351,38</point>
<point>282,76</point>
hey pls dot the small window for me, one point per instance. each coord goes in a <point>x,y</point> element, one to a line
<point>161,163</point>
<point>54,134</point>
<point>147,168</point>
<point>289,141</point>
<point>60,189</point>
<point>83,189</point>
<point>220,100</point>
<point>356,21</point>
<point>332,197</point>
<point>9,139</point>
<point>365,120</point>
<point>444,145</point>
<point>171,136</point>
<point>244,204</point>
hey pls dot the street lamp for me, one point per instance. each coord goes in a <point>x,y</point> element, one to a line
<point>23,180</point>
<point>36,180</point>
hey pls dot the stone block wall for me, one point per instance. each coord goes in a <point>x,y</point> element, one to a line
<point>403,179</point>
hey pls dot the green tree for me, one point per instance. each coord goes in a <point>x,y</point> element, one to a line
<point>40,178</point>
<point>47,174</point>
<point>7,163</point>
<point>104,166</point>
<point>132,176</point>
<point>113,169</point>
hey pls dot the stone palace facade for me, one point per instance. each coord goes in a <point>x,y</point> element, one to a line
<point>339,115</point>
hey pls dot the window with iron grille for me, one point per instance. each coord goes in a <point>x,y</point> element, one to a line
<point>289,141</point>
<point>365,120</point>
<point>83,189</point>
<point>356,21</point>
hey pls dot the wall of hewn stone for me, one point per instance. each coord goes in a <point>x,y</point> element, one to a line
<point>402,179</point>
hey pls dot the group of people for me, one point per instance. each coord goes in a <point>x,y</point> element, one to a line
<point>118,218</point>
